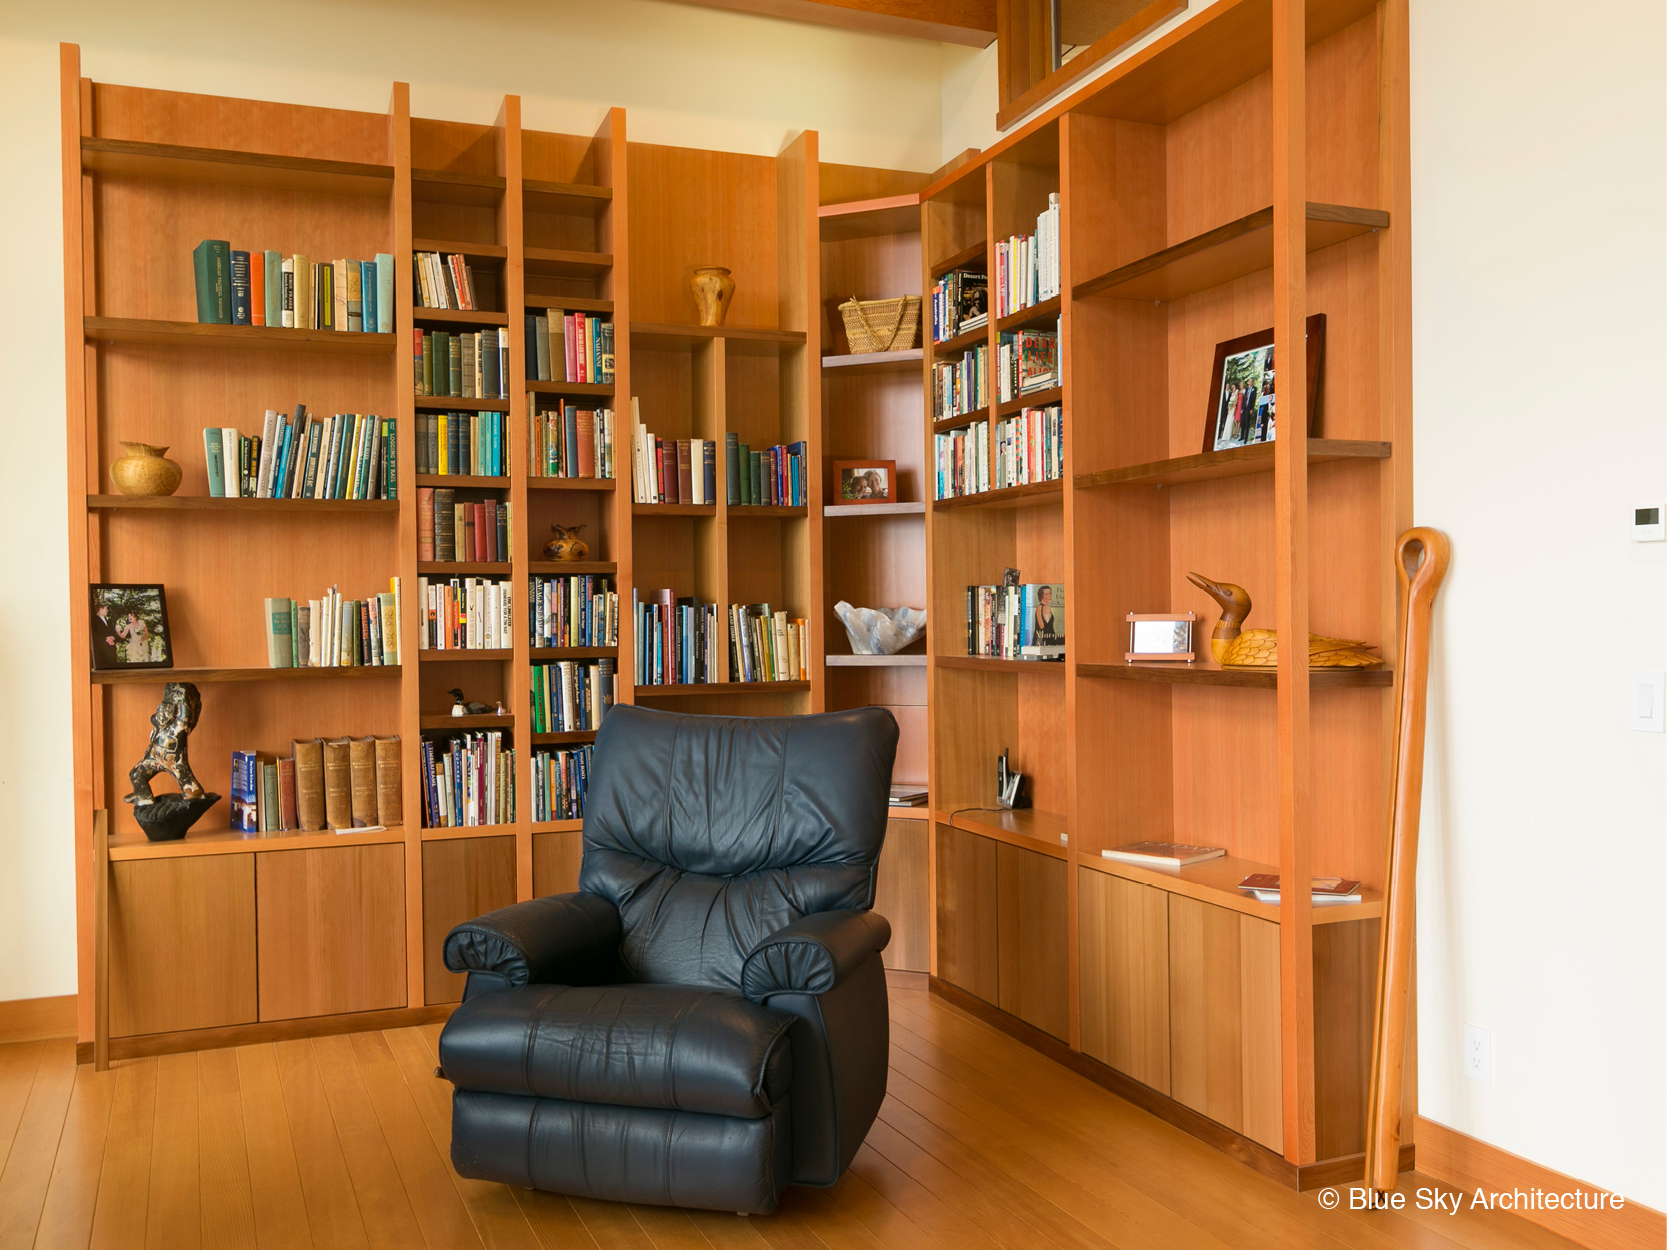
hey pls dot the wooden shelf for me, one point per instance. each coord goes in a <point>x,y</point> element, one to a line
<point>209,503</point>
<point>536,303</point>
<point>442,186</point>
<point>1032,495</point>
<point>574,653</point>
<point>555,262</point>
<point>131,159</point>
<point>1036,399</point>
<point>720,687</point>
<point>449,403</point>
<point>569,388</point>
<point>195,334</point>
<point>464,655</point>
<point>869,219</point>
<point>557,826</point>
<point>572,736</point>
<point>569,198</point>
<point>1216,881</point>
<point>1247,679</point>
<point>954,346</point>
<point>459,481</point>
<point>1241,247</point>
<point>865,364</point>
<point>674,509</point>
<point>458,832</point>
<point>873,509</point>
<point>957,260</point>
<point>475,251</point>
<point>1045,313</point>
<point>457,317</point>
<point>918,811</point>
<point>875,661</point>
<point>465,568</point>
<point>571,483</point>
<point>445,720</point>
<point>989,664</point>
<point>207,675</point>
<point>741,511</point>
<point>571,568</point>
<point>666,333</point>
<point>1235,462</point>
<point>1027,827</point>
<point>943,425</point>
<point>134,845</point>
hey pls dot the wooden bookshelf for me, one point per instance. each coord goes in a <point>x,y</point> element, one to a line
<point>1168,979</point>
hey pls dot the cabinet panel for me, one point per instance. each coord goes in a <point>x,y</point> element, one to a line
<point>1031,935</point>
<point>1345,984</point>
<point>1205,1035</point>
<point>1123,949</point>
<point>556,862</point>
<point>332,930</point>
<point>900,895</point>
<point>462,878</point>
<point>1259,1007</point>
<point>966,908</point>
<point>182,943</point>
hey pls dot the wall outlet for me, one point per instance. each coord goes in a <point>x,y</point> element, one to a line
<point>1646,690</point>
<point>1478,1054</point>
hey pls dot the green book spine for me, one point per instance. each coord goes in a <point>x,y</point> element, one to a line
<point>269,821</point>
<point>428,364</point>
<point>757,477</point>
<point>732,468</point>
<point>294,636</point>
<point>211,263</point>
<point>454,352</point>
<point>390,472</point>
<point>280,651</point>
<point>273,264</point>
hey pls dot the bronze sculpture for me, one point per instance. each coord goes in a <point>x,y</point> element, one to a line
<point>166,817</point>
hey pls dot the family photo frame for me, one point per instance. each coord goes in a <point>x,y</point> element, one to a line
<point>1241,408</point>
<point>865,481</point>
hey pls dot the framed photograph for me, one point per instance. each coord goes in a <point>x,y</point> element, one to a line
<point>1241,409</point>
<point>129,626</point>
<point>865,481</point>
<point>1160,637</point>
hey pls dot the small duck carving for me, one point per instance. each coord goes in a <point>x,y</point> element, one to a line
<point>1259,648</point>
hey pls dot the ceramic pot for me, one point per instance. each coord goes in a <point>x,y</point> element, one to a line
<point>145,470</point>
<point>713,287</point>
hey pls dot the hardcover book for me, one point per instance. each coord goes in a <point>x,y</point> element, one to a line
<point>338,784</point>
<point>1162,854</point>
<point>362,781</point>
<point>308,757</point>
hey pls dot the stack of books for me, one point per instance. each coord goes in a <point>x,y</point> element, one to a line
<point>560,779</point>
<point>462,444</point>
<point>677,640</point>
<point>569,347</point>
<point>1030,447</point>
<point>471,365</point>
<point>333,632</point>
<point>465,614</point>
<point>1323,891</point>
<point>443,280</point>
<point>1016,621</point>
<point>766,645</point>
<point>774,477</point>
<point>342,784</point>
<point>570,696</point>
<point>567,441</point>
<point>962,461</point>
<point>453,531</point>
<point>960,304</point>
<point>299,456</point>
<point>1028,361</point>
<point>962,386</point>
<point>238,288</point>
<point>468,780</point>
<point>578,611</point>
<point>1027,265</point>
<point>905,795</point>
<point>671,470</point>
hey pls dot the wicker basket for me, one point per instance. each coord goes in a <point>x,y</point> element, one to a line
<point>881,325</point>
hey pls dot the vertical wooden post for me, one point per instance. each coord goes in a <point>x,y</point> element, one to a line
<point>613,236</point>
<point>1075,818</point>
<point>101,940</point>
<point>934,628</point>
<point>1290,308</point>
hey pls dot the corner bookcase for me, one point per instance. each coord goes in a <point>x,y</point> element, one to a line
<point>1245,170</point>
<point>226,937</point>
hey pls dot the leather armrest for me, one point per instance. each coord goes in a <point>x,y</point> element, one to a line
<point>564,939</point>
<point>813,955</point>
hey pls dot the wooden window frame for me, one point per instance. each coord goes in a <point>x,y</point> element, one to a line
<point>1014,20</point>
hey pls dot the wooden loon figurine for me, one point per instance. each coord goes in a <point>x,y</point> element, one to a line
<point>1259,648</point>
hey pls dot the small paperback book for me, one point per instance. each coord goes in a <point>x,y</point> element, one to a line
<point>1162,854</point>
<point>908,796</point>
<point>1325,890</point>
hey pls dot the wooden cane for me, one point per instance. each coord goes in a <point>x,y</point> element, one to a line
<point>1383,1109</point>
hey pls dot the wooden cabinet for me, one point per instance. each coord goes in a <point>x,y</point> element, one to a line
<point>1345,978</point>
<point>331,930</point>
<point>966,908</point>
<point>900,895</point>
<point>1123,946</point>
<point>1031,927</point>
<point>462,878</point>
<point>556,862</point>
<point>182,944</point>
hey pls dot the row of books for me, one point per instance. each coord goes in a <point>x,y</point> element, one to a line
<point>766,645</point>
<point>343,784</point>
<point>465,614</point>
<point>471,365</point>
<point>333,632</point>
<point>572,697</point>
<point>1016,621</point>
<point>450,530</point>
<point>1026,266</point>
<point>671,470</point>
<point>462,444</point>
<point>468,780</point>
<point>1027,361</point>
<point>1030,447</point>
<point>560,780</point>
<point>267,288</point>
<point>443,280</point>
<point>569,347</point>
<point>962,386</point>
<point>960,304</point>
<point>961,461</point>
<point>299,456</point>
<point>773,477</point>
<point>576,611</point>
<point>676,639</point>
<point>567,441</point>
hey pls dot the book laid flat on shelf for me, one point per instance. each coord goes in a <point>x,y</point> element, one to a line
<point>576,611</point>
<point>468,780</point>
<point>1027,361</point>
<point>560,779</point>
<point>960,303</point>
<point>571,696</point>
<point>1030,447</point>
<point>267,288</point>
<point>1162,854</point>
<point>300,456</point>
<point>569,347</point>
<point>472,364</point>
<point>907,796</point>
<point>462,444</point>
<point>1017,621</point>
<point>1027,266</point>
<point>465,614</point>
<point>1325,891</point>
<point>766,645</point>
<point>961,387</point>
<point>676,639</point>
<point>569,441</point>
<point>333,632</point>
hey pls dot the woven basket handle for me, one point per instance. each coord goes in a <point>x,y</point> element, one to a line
<point>870,329</point>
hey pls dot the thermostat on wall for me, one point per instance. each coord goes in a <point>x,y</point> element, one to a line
<point>1646,524</point>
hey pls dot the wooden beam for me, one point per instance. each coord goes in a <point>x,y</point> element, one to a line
<point>970,23</point>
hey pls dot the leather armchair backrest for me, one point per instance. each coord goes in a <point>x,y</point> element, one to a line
<point>709,833</point>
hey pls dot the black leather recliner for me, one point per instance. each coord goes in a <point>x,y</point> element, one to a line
<point>704,1022</point>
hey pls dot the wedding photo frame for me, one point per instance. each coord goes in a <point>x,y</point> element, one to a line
<point>129,626</point>
<point>1241,408</point>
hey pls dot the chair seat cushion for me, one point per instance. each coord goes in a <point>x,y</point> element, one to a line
<point>669,1047</point>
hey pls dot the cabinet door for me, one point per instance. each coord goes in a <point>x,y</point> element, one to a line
<point>1205,1035</point>
<point>462,878</point>
<point>1031,933</point>
<point>556,862</point>
<point>332,930</point>
<point>1345,984</point>
<point>1123,949</point>
<point>967,911</point>
<point>182,943</point>
<point>1259,999</point>
<point>900,895</point>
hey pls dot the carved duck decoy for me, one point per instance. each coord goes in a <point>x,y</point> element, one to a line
<point>1259,648</point>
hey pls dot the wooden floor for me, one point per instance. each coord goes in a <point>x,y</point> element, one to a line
<point>342,1141</point>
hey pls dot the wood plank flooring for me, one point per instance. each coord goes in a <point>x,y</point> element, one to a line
<point>343,1142</point>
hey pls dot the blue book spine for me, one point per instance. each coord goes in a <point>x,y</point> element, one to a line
<point>497,467</point>
<point>214,458</point>
<point>285,449</point>
<point>245,771</point>
<point>240,289</point>
<point>384,293</point>
<point>367,295</point>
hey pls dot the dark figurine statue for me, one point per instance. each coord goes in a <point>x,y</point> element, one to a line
<point>465,707</point>
<point>167,817</point>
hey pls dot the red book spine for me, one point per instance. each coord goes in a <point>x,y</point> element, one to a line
<point>480,531</point>
<point>489,523</point>
<point>425,523</point>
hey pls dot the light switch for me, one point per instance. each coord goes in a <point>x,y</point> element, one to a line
<point>1648,688</point>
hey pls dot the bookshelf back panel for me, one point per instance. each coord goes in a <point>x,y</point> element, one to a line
<point>1126,792</point>
<point>663,383</point>
<point>873,562</point>
<point>1342,118</point>
<point>1343,284</point>
<point>902,692</point>
<point>1119,353</point>
<point>877,417</point>
<point>1131,526</point>
<point>207,121</point>
<point>481,681</point>
<point>955,222</point>
<point>691,208</point>
<point>881,267</point>
<point>755,408</point>
<point>766,562</point>
<point>1219,160</point>
<point>547,156</point>
<point>459,223</point>
<point>571,232</point>
<point>1021,191</point>
<point>1113,203</point>
<point>983,708</point>
<point>675,552</point>
<point>455,147</point>
<point>1226,756</point>
<point>841,184</point>
<point>594,509</point>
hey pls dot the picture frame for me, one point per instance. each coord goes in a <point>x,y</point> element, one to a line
<point>865,481</point>
<point>128,626</point>
<point>1166,637</point>
<point>1240,410</point>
